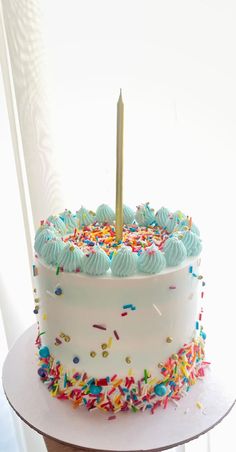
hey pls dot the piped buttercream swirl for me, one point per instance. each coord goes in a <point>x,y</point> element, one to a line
<point>161,216</point>
<point>51,251</point>
<point>84,216</point>
<point>185,224</point>
<point>172,222</point>
<point>151,260</point>
<point>42,238</point>
<point>175,251</point>
<point>105,214</point>
<point>70,258</point>
<point>124,262</point>
<point>58,224</point>
<point>144,215</point>
<point>192,243</point>
<point>44,226</point>
<point>128,215</point>
<point>70,221</point>
<point>96,262</point>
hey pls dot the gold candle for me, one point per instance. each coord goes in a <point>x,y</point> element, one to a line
<point>119,168</point>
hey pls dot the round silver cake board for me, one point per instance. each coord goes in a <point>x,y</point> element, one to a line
<point>206,404</point>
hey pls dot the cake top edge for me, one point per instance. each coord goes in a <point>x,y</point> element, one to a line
<point>85,241</point>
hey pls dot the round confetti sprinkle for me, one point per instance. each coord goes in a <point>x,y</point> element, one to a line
<point>104,346</point>
<point>128,359</point>
<point>76,360</point>
<point>105,354</point>
<point>160,390</point>
<point>160,365</point>
<point>92,354</point>
<point>44,352</point>
<point>41,372</point>
<point>58,291</point>
<point>169,339</point>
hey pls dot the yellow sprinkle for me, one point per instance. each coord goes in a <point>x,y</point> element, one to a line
<point>186,374</point>
<point>199,405</point>
<point>44,316</point>
<point>109,344</point>
<point>153,381</point>
<point>117,382</point>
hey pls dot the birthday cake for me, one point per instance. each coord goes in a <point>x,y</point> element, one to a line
<point>119,322</point>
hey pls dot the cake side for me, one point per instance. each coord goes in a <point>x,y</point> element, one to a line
<point>113,324</point>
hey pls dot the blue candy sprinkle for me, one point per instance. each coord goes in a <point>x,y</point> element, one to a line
<point>95,389</point>
<point>42,372</point>
<point>160,390</point>
<point>203,334</point>
<point>76,360</point>
<point>44,352</point>
<point>58,291</point>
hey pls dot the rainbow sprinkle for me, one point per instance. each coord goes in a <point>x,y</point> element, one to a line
<point>114,394</point>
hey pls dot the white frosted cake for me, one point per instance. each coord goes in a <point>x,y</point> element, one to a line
<point>119,323</point>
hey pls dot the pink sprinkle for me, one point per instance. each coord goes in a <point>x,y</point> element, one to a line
<point>100,327</point>
<point>111,418</point>
<point>172,287</point>
<point>121,390</point>
<point>124,313</point>
<point>116,335</point>
<point>202,294</point>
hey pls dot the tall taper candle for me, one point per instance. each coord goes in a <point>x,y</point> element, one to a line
<point>119,168</point>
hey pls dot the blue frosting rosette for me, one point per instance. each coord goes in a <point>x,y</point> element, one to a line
<point>172,222</point>
<point>96,262</point>
<point>58,224</point>
<point>42,238</point>
<point>144,215</point>
<point>84,216</point>
<point>51,250</point>
<point>124,262</point>
<point>151,260</point>
<point>128,215</point>
<point>192,243</point>
<point>175,251</point>
<point>70,258</point>
<point>105,214</point>
<point>70,221</point>
<point>162,216</point>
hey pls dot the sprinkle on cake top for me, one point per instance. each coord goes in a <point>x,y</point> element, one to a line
<point>86,241</point>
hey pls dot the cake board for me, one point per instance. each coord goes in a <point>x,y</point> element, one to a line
<point>67,429</point>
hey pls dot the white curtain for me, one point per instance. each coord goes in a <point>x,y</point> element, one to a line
<point>63,63</point>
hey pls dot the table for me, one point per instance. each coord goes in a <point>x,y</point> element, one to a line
<point>65,429</point>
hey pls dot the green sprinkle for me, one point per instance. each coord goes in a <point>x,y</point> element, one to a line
<point>145,375</point>
<point>42,333</point>
<point>58,269</point>
<point>134,408</point>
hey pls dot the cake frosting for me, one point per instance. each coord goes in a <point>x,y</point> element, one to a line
<point>119,324</point>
